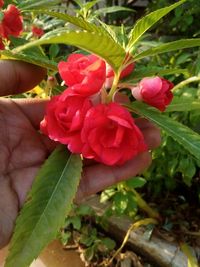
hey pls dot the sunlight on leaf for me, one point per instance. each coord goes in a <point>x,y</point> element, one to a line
<point>186,137</point>
<point>97,43</point>
<point>147,22</point>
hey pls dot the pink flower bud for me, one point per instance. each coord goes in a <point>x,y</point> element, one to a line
<point>155,91</point>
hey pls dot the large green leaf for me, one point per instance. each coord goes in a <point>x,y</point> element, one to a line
<point>48,203</point>
<point>93,42</point>
<point>33,55</point>
<point>183,104</point>
<point>181,133</point>
<point>168,47</point>
<point>79,22</point>
<point>147,22</point>
<point>31,58</point>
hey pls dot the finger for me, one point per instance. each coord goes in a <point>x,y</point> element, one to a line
<point>152,137</point>
<point>34,110</point>
<point>151,133</point>
<point>98,177</point>
<point>17,77</point>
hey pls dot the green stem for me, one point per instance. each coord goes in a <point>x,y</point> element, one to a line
<point>192,260</point>
<point>187,81</point>
<point>142,204</point>
<point>114,86</point>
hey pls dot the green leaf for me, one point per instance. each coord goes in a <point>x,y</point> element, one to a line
<point>189,139</point>
<point>136,182</point>
<point>93,42</point>
<point>89,253</point>
<point>33,55</point>
<point>152,71</point>
<point>168,47</point>
<point>148,21</point>
<point>79,22</point>
<point>108,243</point>
<point>90,4</point>
<point>53,50</point>
<point>113,9</point>
<point>48,203</point>
<point>183,104</point>
<point>31,58</point>
<point>31,4</point>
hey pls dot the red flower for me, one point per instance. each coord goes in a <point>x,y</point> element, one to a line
<point>86,73</point>
<point>110,74</point>
<point>12,22</point>
<point>2,47</point>
<point>110,136</point>
<point>37,31</point>
<point>64,119</point>
<point>1,3</point>
<point>154,91</point>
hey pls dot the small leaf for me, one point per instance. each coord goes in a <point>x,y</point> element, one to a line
<point>84,209</point>
<point>189,139</point>
<point>109,244</point>
<point>148,21</point>
<point>168,47</point>
<point>76,222</point>
<point>93,42</point>
<point>54,50</point>
<point>136,182</point>
<point>89,253</point>
<point>48,203</point>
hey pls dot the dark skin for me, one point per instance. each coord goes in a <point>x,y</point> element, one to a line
<point>23,149</point>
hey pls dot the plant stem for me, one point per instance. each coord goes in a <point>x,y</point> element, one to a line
<point>187,81</point>
<point>192,260</point>
<point>142,204</point>
<point>114,86</point>
<point>134,226</point>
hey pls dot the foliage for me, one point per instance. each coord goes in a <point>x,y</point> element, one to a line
<point>183,20</point>
<point>80,230</point>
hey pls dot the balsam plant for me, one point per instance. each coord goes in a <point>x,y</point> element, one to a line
<point>55,186</point>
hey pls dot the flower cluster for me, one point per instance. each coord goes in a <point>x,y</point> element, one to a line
<point>11,23</point>
<point>88,121</point>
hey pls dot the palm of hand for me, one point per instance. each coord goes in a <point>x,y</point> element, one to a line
<point>22,151</point>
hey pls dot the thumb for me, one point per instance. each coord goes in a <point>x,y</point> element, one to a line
<point>17,77</point>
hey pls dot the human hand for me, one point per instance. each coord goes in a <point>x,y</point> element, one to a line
<point>23,149</point>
